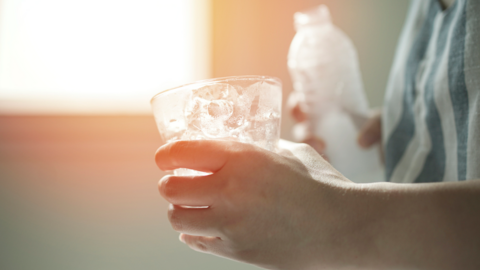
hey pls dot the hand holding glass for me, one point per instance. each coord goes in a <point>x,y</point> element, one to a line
<point>242,108</point>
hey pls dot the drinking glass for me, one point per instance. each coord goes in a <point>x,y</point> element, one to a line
<point>241,108</point>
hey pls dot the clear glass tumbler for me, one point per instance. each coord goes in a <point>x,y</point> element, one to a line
<point>240,108</point>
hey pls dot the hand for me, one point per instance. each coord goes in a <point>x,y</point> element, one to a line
<point>369,135</point>
<point>278,211</point>
<point>371,132</point>
<point>294,211</point>
<point>302,131</point>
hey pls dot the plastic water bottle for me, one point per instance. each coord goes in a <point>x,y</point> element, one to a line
<point>324,68</point>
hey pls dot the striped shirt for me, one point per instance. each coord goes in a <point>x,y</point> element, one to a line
<point>431,118</point>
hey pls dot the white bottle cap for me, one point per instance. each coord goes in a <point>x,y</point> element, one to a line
<point>315,16</point>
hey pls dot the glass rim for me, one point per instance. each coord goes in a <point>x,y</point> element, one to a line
<point>217,80</point>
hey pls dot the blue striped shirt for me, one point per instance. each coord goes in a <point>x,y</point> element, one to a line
<point>431,118</point>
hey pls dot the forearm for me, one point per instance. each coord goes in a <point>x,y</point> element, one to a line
<point>419,226</point>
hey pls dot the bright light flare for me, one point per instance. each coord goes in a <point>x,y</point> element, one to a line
<point>98,55</point>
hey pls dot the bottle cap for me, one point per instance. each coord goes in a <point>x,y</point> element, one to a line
<point>314,16</point>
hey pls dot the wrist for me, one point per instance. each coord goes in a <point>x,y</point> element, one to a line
<point>364,218</point>
<point>349,218</point>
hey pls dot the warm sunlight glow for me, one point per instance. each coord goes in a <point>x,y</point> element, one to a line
<point>98,56</point>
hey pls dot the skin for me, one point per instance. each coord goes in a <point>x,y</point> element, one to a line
<point>292,210</point>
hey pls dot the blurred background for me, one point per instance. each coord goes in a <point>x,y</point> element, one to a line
<point>78,183</point>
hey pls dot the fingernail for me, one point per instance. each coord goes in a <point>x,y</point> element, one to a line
<point>181,237</point>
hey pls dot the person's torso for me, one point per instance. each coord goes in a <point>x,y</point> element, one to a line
<point>431,118</point>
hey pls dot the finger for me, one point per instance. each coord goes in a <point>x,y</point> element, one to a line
<point>298,113</point>
<point>203,222</point>
<point>294,105</point>
<point>204,244</point>
<point>189,190</point>
<point>371,133</point>
<point>200,155</point>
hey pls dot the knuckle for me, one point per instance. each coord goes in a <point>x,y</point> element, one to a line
<point>175,220</point>
<point>303,145</point>
<point>311,148</point>
<point>166,188</point>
